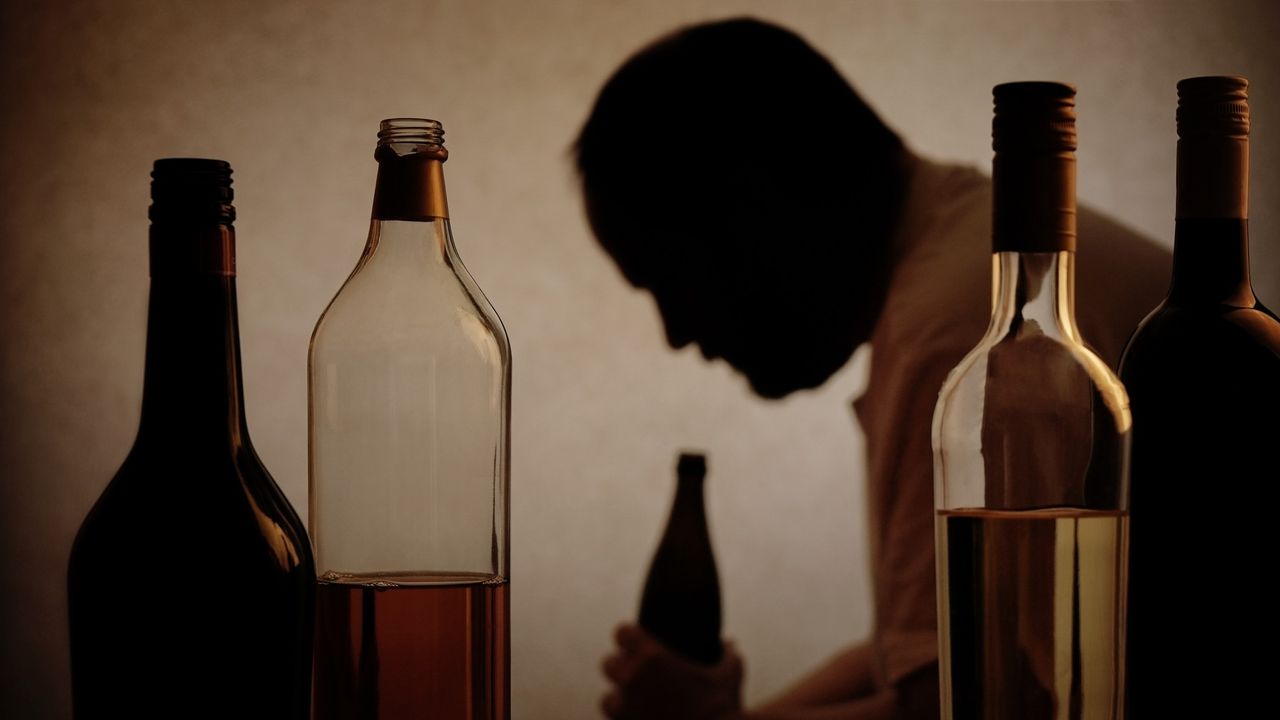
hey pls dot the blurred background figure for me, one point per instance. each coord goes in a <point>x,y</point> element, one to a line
<point>778,223</point>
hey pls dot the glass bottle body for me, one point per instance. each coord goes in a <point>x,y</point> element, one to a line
<point>409,421</point>
<point>1030,465</point>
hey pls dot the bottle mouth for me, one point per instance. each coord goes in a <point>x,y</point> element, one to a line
<point>692,465</point>
<point>410,136</point>
<point>191,191</point>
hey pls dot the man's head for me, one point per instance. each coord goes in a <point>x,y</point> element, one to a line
<point>730,171</point>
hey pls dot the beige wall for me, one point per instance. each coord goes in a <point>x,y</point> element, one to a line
<point>291,93</point>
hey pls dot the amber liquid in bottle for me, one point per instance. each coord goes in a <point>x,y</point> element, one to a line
<point>390,650</point>
<point>409,415</point>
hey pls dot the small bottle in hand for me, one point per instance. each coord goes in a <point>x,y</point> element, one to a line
<point>680,605</point>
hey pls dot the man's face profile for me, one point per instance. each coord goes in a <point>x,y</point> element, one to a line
<point>737,302</point>
<point>731,172</point>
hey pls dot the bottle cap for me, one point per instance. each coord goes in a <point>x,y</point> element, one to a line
<point>191,191</point>
<point>1033,134</point>
<point>691,465</point>
<point>1213,148</point>
<point>1214,105</point>
<point>1035,116</point>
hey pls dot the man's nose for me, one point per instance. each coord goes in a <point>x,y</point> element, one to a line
<point>675,322</point>
<point>678,334</point>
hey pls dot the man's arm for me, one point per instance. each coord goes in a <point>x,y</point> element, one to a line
<point>845,689</point>
<point>651,682</point>
<point>845,677</point>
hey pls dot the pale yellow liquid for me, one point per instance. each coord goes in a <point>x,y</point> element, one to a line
<point>1031,613</point>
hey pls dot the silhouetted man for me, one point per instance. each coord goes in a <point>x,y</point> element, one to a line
<point>778,223</point>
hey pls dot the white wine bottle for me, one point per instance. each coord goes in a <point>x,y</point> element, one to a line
<point>1030,440</point>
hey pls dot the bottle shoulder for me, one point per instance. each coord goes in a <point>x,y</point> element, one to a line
<point>193,508</point>
<point>1207,330</point>
<point>1024,356</point>
<point>414,306</point>
<point>1018,379</point>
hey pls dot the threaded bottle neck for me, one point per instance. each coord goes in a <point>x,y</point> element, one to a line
<point>1033,134</point>
<point>1034,117</point>
<point>410,155</point>
<point>407,136</point>
<point>191,218</point>
<point>1215,105</point>
<point>191,191</point>
<point>1213,147</point>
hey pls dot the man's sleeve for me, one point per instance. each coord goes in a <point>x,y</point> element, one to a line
<point>903,469</point>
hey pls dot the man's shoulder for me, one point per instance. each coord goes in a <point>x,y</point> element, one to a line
<point>939,293</point>
<point>939,296</point>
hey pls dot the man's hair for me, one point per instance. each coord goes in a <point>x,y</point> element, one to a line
<point>736,127</point>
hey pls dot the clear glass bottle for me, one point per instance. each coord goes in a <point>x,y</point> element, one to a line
<point>410,386</point>
<point>191,584</point>
<point>1030,440</point>
<point>1203,373</point>
<point>680,604</point>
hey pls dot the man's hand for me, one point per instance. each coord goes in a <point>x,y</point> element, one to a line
<point>652,683</point>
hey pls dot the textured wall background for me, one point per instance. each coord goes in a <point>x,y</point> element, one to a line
<point>291,93</point>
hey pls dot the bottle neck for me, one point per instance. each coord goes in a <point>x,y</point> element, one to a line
<point>1034,292</point>
<point>1213,177</point>
<point>688,511</point>
<point>410,217</point>
<point>1033,230</point>
<point>192,390</point>
<point>410,186</point>
<point>1211,262</point>
<point>1211,238</point>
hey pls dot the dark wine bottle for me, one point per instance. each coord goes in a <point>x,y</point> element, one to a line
<point>680,605</point>
<point>191,582</point>
<point>1203,373</point>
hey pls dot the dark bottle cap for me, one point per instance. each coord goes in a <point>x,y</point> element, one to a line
<point>1034,116</point>
<point>1033,134</point>
<point>191,191</point>
<point>691,465</point>
<point>1214,105</point>
<point>1213,148</point>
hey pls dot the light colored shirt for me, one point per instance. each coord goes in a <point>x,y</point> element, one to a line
<point>937,308</point>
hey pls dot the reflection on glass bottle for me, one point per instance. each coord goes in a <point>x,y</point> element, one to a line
<point>1203,373</point>
<point>191,580</point>
<point>410,373</point>
<point>680,605</point>
<point>1030,440</point>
